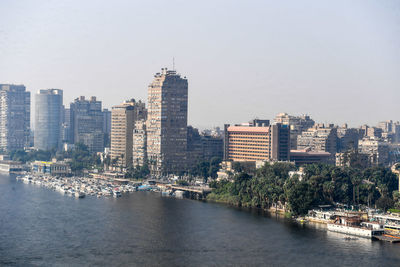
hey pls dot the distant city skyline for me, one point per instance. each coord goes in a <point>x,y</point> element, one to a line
<point>335,61</point>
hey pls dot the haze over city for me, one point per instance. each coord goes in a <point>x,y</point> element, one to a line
<point>337,61</point>
<point>199,133</point>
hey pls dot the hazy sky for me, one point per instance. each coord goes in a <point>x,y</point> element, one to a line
<point>336,60</point>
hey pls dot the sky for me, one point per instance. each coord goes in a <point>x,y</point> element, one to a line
<point>338,61</point>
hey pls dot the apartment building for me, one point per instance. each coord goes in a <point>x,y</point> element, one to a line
<point>139,149</point>
<point>15,117</point>
<point>87,123</point>
<point>297,124</point>
<point>319,138</point>
<point>377,150</point>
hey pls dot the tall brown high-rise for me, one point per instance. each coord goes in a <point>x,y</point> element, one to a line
<point>167,123</point>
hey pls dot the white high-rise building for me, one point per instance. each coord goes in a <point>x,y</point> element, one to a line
<point>15,117</point>
<point>48,119</point>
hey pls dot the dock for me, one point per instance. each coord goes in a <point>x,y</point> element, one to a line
<point>387,238</point>
<point>195,192</point>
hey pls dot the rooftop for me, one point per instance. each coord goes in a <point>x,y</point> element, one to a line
<point>310,153</point>
<point>248,129</point>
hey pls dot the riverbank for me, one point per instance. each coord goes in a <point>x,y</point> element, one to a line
<point>233,201</point>
<point>80,187</point>
<point>42,227</point>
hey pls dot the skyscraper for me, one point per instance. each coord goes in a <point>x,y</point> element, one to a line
<point>107,127</point>
<point>87,123</point>
<point>167,123</point>
<point>48,119</point>
<point>15,114</point>
<point>123,118</point>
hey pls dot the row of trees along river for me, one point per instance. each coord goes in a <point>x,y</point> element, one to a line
<point>321,184</point>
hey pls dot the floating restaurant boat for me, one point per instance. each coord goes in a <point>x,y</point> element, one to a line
<point>352,225</point>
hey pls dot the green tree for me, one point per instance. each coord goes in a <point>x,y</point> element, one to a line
<point>300,198</point>
<point>385,203</point>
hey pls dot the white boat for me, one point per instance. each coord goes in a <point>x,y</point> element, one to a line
<point>353,226</point>
<point>178,194</point>
<point>117,194</point>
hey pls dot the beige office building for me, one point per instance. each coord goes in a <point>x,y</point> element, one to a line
<point>167,123</point>
<point>257,143</point>
<point>123,118</point>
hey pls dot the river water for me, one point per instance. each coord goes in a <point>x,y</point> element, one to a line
<point>41,227</point>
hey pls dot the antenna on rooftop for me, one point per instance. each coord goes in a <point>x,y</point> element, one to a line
<point>173,63</point>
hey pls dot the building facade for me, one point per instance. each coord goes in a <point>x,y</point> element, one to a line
<point>15,117</point>
<point>107,127</point>
<point>396,133</point>
<point>123,118</point>
<point>139,149</point>
<point>87,123</point>
<point>257,143</point>
<point>60,168</point>
<point>390,131</point>
<point>377,150</point>
<point>212,146</point>
<point>306,156</point>
<point>374,132</point>
<point>319,138</point>
<point>353,159</point>
<point>194,148</point>
<point>202,147</point>
<point>297,124</point>
<point>48,119</point>
<point>347,138</point>
<point>66,127</point>
<point>167,123</point>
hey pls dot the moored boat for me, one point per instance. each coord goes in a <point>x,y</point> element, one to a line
<point>117,194</point>
<point>352,225</point>
<point>79,194</point>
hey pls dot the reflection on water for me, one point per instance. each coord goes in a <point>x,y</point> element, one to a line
<point>43,227</point>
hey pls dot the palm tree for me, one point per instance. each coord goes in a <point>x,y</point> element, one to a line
<point>329,189</point>
<point>356,181</point>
